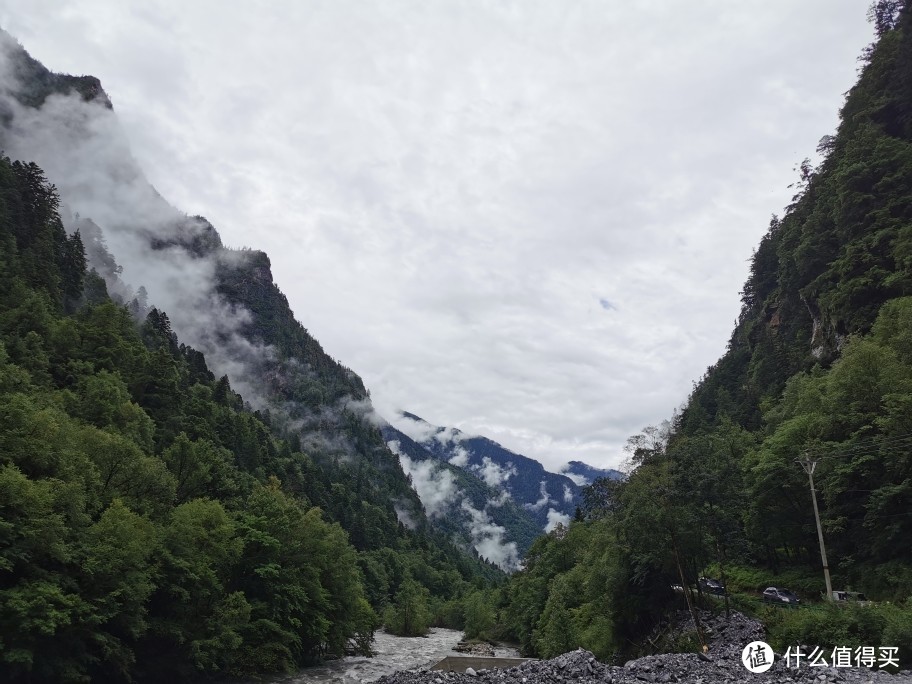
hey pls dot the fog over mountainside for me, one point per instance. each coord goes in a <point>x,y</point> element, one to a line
<point>192,489</point>
<point>583,474</point>
<point>68,127</point>
<point>549,498</point>
<point>219,300</point>
<point>463,505</point>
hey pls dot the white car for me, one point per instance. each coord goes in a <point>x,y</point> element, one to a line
<point>777,595</point>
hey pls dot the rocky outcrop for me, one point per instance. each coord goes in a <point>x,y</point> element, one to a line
<point>477,648</point>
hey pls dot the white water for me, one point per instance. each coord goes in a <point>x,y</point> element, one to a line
<point>393,653</point>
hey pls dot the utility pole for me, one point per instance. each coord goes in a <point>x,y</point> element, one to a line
<point>809,464</point>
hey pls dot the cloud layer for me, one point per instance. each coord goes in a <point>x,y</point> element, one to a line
<point>527,220</point>
<point>440,496</point>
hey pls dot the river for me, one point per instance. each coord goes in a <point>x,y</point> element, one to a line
<point>393,653</point>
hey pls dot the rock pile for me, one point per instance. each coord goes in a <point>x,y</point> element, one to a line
<point>722,665</point>
<point>476,648</point>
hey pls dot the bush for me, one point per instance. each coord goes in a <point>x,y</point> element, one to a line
<point>889,581</point>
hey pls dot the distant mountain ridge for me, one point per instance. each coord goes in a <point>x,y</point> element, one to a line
<point>584,474</point>
<point>549,498</point>
<point>464,507</point>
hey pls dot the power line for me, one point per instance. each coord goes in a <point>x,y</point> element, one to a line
<point>792,524</point>
<point>868,444</point>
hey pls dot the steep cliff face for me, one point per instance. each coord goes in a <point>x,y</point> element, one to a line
<point>37,83</point>
<point>839,252</point>
<point>223,301</point>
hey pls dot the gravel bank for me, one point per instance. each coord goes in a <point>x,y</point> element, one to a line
<point>723,665</point>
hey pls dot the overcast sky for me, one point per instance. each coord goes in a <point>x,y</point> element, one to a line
<point>527,219</point>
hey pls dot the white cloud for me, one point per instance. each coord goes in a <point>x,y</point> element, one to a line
<point>83,151</point>
<point>449,435</point>
<point>365,409</point>
<point>543,500</point>
<point>416,430</point>
<point>448,192</point>
<point>404,516</point>
<point>568,494</point>
<point>460,457</point>
<point>556,518</point>
<point>488,538</point>
<point>578,480</point>
<point>493,474</point>
<point>500,500</point>
<point>436,487</point>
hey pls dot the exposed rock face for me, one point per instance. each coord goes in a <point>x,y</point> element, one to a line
<point>826,338</point>
<point>721,666</point>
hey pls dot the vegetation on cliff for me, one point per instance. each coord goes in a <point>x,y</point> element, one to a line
<point>819,365</point>
<point>151,524</point>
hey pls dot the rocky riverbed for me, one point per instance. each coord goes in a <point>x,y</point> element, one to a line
<point>722,665</point>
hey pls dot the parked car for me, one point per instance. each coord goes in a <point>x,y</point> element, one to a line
<point>712,586</point>
<point>846,597</point>
<point>777,595</point>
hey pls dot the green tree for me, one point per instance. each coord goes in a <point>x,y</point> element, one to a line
<point>409,615</point>
<point>480,616</point>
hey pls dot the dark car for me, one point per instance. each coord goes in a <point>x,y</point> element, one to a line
<point>712,586</point>
<point>776,595</point>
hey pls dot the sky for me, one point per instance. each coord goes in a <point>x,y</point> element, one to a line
<point>530,220</point>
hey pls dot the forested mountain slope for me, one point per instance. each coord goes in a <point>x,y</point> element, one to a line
<point>549,497</point>
<point>462,504</point>
<point>820,366</point>
<point>154,522</point>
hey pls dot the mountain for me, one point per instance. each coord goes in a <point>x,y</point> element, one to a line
<point>191,485</point>
<point>583,474</point>
<point>219,300</point>
<point>817,376</point>
<point>464,506</point>
<point>550,498</point>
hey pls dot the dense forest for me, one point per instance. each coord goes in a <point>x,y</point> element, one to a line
<point>151,524</point>
<point>819,366</point>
